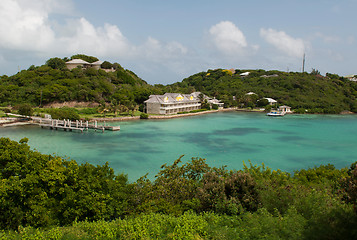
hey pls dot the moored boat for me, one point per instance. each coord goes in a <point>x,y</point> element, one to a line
<point>276,114</point>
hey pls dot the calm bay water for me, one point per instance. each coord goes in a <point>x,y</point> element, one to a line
<point>289,143</point>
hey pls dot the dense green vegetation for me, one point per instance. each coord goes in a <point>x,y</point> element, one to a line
<point>123,91</point>
<point>53,82</point>
<point>47,197</point>
<point>317,94</point>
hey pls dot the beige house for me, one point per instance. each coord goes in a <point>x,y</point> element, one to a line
<point>171,103</point>
<point>214,101</point>
<point>285,109</point>
<point>271,101</point>
<point>96,65</point>
<point>74,63</point>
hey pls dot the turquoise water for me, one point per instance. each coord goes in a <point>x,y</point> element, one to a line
<point>288,143</point>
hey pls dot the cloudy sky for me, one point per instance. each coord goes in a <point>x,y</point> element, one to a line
<point>164,41</point>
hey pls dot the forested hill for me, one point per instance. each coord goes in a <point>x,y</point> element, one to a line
<point>54,82</point>
<point>301,91</point>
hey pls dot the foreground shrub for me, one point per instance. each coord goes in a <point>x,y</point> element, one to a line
<point>42,190</point>
<point>229,194</point>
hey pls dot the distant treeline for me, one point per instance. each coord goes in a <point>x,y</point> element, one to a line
<point>53,82</point>
<point>39,194</point>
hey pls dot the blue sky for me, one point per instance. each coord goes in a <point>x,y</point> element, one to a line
<point>164,41</point>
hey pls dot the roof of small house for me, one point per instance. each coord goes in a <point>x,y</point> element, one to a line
<point>171,98</point>
<point>215,101</point>
<point>270,100</point>
<point>250,93</point>
<point>284,106</point>
<point>245,74</point>
<point>97,62</point>
<point>77,61</point>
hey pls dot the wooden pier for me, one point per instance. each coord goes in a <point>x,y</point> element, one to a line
<point>68,125</point>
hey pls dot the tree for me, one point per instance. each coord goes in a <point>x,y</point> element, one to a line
<point>25,109</point>
<point>42,190</point>
<point>262,102</point>
<point>56,63</point>
<point>205,105</point>
<point>228,193</point>
<point>106,65</point>
<point>315,72</point>
<point>350,185</point>
<point>86,58</point>
<point>117,66</point>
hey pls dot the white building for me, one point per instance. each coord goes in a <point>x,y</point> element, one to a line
<point>244,74</point>
<point>74,63</point>
<point>271,101</point>
<point>285,109</point>
<point>171,103</point>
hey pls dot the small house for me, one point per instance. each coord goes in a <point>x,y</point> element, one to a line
<point>244,74</point>
<point>74,63</point>
<point>285,109</point>
<point>271,101</point>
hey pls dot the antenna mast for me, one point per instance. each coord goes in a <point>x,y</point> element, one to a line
<point>303,63</point>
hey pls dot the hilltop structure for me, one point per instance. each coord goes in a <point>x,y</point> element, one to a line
<point>74,63</point>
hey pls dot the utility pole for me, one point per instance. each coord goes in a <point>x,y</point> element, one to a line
<point>41,99</point>
<point>303,63</point>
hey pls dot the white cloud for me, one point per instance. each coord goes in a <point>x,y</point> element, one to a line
<point>23,27</point>
<point>154,50</point>
<point>294,47</point>
<point>82,36</point>
<point>26,26</point>
<point>228,38</point>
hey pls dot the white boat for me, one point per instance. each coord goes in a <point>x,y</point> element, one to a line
<point>276,114</point>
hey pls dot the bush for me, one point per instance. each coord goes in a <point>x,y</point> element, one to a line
<point>64,113</point>
<point>262,102</point>
<point>7,110</point>
<point>231,194</point>
<point>214,106</point>
<point>25,109</point>
<point>106,65</point>
<point>43,190</point>
<point>144,116</point>
<point>88,111</point>
<point>268,108</point>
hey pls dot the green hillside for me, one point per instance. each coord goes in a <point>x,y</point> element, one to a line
<point>53,82</point>
<point>316,93</point>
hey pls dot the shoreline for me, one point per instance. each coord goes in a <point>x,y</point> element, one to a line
<point>162,116</point>
<point>9,122</point>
